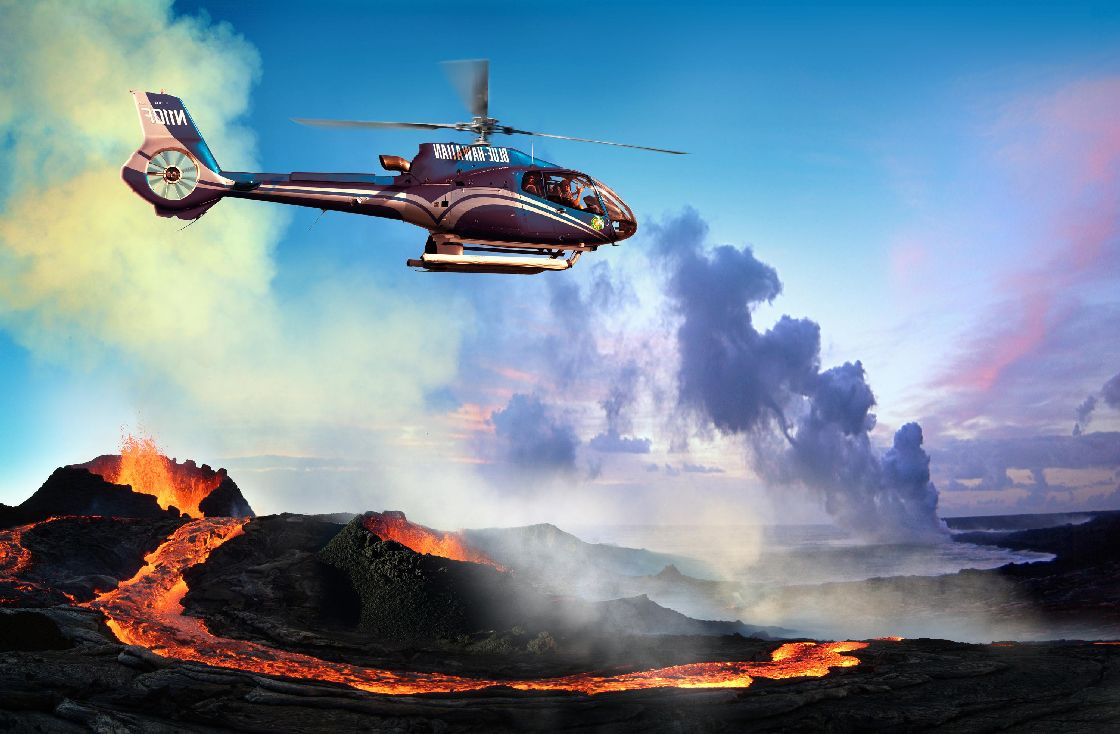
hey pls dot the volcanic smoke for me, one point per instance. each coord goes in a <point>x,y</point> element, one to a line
<point>769,384</point>
<point>147,611</point>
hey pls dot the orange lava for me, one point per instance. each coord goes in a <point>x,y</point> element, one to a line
<point>147,611</point>
<point>148,471</point>
<point>394,526</point>
<point>13,556</point>
<point>14,560</point>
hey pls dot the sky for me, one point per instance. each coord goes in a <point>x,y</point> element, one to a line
<point>931,189</point>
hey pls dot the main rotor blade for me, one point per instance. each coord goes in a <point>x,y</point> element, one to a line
<point>588,140</point>
<point>471,78</point>
<point>370,123</point>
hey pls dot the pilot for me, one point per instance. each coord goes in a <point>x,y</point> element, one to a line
<point>590,204</point>
<point>571,191</point>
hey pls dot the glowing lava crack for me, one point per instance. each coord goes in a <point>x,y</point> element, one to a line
<point>147,611</point>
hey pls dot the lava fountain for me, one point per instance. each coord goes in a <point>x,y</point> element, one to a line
<point>143,467</point>
<point>147,611</point>
<point>395,526</point>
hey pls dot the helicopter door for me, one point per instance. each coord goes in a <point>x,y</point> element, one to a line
<point>534,211</point>
<point>573,195</point>
<point>556,198</point>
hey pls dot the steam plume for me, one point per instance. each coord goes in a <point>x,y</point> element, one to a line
<point>804,426</point>
<point>1110,394</point>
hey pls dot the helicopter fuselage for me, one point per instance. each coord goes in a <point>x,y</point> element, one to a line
<point>481,198</point>
<point>521,214</point>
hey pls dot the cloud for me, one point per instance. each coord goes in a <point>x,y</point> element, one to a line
<point>532,438</point>
<point>1036,393</point>
<point>1110,392</point>
<point>700,469</point>
<point>612,443</point>
<point>1060,151</point>
<point>191,320</point>
<point>1039,473</point>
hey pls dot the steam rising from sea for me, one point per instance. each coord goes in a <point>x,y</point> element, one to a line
<point>821,581</point>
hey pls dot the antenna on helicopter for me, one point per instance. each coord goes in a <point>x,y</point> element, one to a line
<point>471,79</point>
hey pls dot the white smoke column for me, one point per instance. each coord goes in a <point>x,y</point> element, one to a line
<point>748,382</point>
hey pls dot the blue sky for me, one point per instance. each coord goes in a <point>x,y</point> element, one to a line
<point>924,179</point>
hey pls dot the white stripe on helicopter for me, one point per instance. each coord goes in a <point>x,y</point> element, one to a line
<point>497,196</point>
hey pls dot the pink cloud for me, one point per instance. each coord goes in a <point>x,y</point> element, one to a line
<point>1062,150</point>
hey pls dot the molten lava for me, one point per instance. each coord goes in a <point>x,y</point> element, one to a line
<point>14,560</point>
<point>142,467</point>
<point>394,526</point>
<point>147,611</point>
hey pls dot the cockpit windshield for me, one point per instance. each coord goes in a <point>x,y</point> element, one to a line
<point>572,190</point>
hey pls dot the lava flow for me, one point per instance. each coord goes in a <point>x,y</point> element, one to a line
<point>395,526</point>
<point>14,560</point>
<point>147,611</point>
<point>142,466</point>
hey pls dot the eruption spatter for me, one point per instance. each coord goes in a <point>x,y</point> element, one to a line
<point>147,611</point>
<point>185,486</point>
<point>768,385</point>
<point>393,525</point>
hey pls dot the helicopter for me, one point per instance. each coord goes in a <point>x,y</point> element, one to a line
<point>486,208</point>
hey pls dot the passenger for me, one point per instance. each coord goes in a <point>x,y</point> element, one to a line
<point>571,190</point>
<point>558,192</point>
<point>532,184</point>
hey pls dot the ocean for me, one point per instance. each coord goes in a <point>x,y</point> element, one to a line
<point>781,555</point>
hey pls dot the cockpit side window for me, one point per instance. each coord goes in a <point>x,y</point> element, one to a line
<point>531,184</point>
<point>572,190</point>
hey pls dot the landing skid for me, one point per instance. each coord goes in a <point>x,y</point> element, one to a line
<point>444,254</point>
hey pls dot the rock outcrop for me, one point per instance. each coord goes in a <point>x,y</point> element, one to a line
<point>74,490</point>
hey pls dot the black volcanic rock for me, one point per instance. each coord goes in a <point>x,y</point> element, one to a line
<point>913,685</point>
<point>22,630</point>
<point>362,597</point>
<point>1013,523</point>
<point>84,555</point>
<point>1076,545</point>
<point>406,595</point>
<point>76,491</point>
<point>268,583</point>
<point>226,501</point>
<point>75,558</point>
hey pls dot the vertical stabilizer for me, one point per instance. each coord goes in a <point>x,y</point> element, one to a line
<point>173,169</point>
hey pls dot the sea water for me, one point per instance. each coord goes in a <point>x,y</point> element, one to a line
<point>780,555</point>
